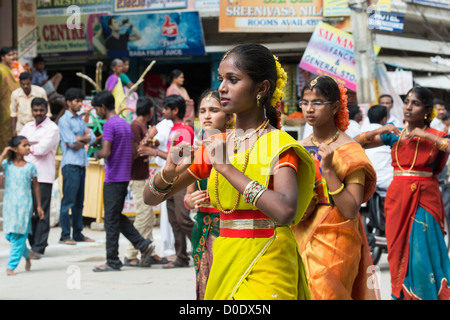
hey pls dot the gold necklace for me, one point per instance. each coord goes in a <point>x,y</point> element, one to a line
<point>239,140</point>
<point>332,139</point>
<point>415,154</point>
<point>247,156</point>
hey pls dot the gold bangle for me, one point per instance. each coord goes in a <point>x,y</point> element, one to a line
<point>339,190</point>
<point>165,181</point>
<point>443,145</point>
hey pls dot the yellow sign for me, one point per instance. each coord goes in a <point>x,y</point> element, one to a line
<point>269,15</point>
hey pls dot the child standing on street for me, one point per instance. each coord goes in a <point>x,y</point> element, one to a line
<point>20,176</point>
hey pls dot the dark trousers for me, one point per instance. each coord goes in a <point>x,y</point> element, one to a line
<point>40,229</point>
<point>181,224</point>
<point>114,194</point>
<point>73,199</point>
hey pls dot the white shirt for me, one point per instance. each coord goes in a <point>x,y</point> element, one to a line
<point>354,129</point>
<point>20,107</point>
<point>438,124</point>
<point>162,136</point>
<point>392,119</point>
<point>42,154</point>
<point>381,161</point>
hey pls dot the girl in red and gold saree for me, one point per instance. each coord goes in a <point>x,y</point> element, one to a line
<point>206,227</point>
<point>260,179</point>
<point>331,238</point>
<point>417,255</point>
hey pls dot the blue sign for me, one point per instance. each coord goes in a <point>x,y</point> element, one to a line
<point>387,21</point>
<point>169,34</point>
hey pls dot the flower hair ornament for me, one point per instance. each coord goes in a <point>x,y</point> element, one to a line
<point>279,92</point>
<point>433,115</point>
<point>342,116</point>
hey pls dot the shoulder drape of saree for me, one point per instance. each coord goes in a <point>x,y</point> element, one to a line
<point>335,251</point>
<point>119,95</point>
<point>7,85</point>
<point>261,268</point>
<point>403,199</point>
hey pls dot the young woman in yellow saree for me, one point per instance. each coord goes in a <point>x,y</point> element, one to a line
<point>331,238</point>
<point>261,180</point>
<point>7,85</point>
<point>207,219</point>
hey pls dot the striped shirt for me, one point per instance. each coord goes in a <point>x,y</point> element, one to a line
<point>118,165</point>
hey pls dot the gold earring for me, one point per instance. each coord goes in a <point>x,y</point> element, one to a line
<point>258,97</point>
<point>426,117</point>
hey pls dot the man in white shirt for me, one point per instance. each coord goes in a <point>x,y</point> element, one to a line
<point>43,135</point>
<point>380,156</point>
<point>387,101</point>
<point>355,117</point>
<point>21,102</point>
<point>441,110</point>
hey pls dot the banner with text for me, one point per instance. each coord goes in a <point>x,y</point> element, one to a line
<point>27,33</point>
<point>330,52</point>
<point>57,37</point>
<point>265,16</point>
<point>154,35</point>
<point>142,5</point>
<point>64,7</point>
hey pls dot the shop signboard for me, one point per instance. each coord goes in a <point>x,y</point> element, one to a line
<point>335,8</point>
<point>27,33</point>
<point>121,6</point>
<point>60,7</point>
<point>207,4</point>
<point>330,52</point>
<point>269,16</point>
<point>58,38</point>
<point>168,34</point>
<point>386,21</point>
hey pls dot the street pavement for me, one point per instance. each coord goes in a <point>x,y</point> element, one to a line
<point>65,273</point>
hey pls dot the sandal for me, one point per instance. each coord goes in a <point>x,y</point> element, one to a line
<point>174,264</point>
<point>104,268</point>
<point>160,261</point>
<point>146,255</point>
<point>138,264</point>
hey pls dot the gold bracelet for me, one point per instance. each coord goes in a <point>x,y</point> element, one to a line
<point>339,190</point>
<point>443,145</point>
<point>165,181</point>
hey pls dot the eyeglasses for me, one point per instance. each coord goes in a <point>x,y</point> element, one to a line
<point>314,104</point>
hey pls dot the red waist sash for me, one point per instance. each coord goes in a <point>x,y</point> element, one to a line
<point>246,224</point>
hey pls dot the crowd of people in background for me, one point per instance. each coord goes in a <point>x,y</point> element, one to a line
<point>310,245</point>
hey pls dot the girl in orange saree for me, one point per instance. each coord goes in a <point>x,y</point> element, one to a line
<point>417,255</point>
<point>331,239</point>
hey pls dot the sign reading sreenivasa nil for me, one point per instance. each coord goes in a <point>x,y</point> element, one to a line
<point>269,15</point>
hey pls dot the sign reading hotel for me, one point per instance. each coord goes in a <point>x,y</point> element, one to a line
<point>269,15</point>
<point>330,52</point>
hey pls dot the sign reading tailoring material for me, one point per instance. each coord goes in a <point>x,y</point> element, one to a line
<point>269,15</point>
<point>330,52</point>
<point>168,34</point>
<point>142,5</point>
<point>56,38</point>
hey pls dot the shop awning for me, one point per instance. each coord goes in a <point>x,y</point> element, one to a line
<point>414,63</point>
<point>437,82</point>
